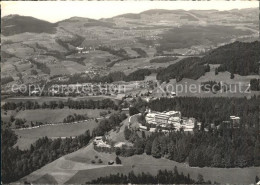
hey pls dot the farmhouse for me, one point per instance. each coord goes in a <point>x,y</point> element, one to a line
<point>98,141</point>
<point>235,121</point>
<point>125,110</point>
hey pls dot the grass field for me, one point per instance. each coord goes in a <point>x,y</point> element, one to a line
<point>28,136</point>
<point>129,66</point>
<point>75,168</point>
<point>53,98</point>
<point>55,115</point>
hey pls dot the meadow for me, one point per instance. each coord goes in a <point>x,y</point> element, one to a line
<point>55,115</point>
<point>47,99</point>
<point>29,136</point>
<point>76,168</point>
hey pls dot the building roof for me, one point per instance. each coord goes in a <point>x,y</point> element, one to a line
<point>162,116</point>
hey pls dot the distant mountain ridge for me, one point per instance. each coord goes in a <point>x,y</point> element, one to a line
<point>15,24</point>
<point>31,24</point>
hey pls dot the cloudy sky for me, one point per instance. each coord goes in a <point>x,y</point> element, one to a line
<point>54,11</point>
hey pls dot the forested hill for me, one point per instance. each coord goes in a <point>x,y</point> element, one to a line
<point>237,58</point>
<point>15,24</point>
<point>187,68</point>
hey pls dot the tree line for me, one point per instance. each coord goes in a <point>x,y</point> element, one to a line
<point>108,124</point>
<point>74,117</point>
<point>162,177</point>
<point>6,80</point>
<point>224,147</point>
<point>141,52</point>
<point>191,67</point>
<point>163,59</point>
<point>82,104</point>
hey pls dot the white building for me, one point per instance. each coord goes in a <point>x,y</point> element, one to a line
<point>167,119</point>
<point>164,118</point>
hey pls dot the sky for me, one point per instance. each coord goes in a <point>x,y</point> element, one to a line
<point>54,11</point>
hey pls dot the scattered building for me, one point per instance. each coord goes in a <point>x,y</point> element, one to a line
<point>125,110</point>
<point>98,141</point>
<point>235,121</point>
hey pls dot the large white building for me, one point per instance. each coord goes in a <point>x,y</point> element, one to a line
<point>168,119</point>
<point>164,118</point>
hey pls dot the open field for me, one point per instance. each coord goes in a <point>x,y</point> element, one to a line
<point>225,77</point>
<point>55,115</point>
<point>53,98</point>
<point>75,168</point>
<point>28,136</point>
<point>129,66</point>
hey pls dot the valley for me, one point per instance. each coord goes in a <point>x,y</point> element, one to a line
<point>134,98</point>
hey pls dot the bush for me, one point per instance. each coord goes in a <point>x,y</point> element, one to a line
<point>93,161</point>
<point>96,156</point>
<point>118,161</point>
<point>100,161</point>
<point>118,151</point>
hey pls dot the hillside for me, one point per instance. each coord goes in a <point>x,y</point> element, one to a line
<point>15,24</point>
<point>87,22</point>
<point>187,36</point>
<point>156,32</point>
<point>130,16</point>
<point>187,68</point>
<point>238,57</point>
<point>231,58</point>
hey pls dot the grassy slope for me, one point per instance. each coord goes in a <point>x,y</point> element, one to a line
<point>76,168</point>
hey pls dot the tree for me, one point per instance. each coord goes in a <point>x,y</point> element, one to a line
<point>118,161</point>
<point>216,71</point>
<point>118,151</point>
<point>127,133</point>
<point>207,68</point>
<point>143,135</point>
<point>257,153</point>
<point>34,72</point>
<point>156,152</point>
<point>139,146</point>
<point>133,111</point>
<point>12,119</point>
<point>148,147</point>
<point>200,179</point>
<point>103,113</point>
<point>232,76</point>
